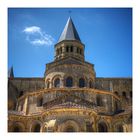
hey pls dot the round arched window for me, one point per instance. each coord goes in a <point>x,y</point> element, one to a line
<point>90,84</point>
<point>124,94</point>
<point>116,92</point>
<point>39,101</point>
<point>69,82</point>
<point>71,48</point>
<point>81,82</point>
<point>57,82</point>
<point>67,48</point>
<point>99,100</point>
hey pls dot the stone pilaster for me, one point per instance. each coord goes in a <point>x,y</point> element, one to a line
<point>25,107</point>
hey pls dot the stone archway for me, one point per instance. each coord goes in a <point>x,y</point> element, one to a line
<point>69,126</point>
<point>35,126</point>
<point>17,127</point>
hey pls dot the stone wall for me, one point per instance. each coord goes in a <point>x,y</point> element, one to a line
<point>27,84</point>
<point>114,84</point>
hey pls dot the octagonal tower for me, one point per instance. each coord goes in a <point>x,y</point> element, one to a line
<point>69,68</point>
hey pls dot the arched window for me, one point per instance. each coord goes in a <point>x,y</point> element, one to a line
<point>124,94</point>
<point>90,84</point>
<point>67,48</point>
<point>99,100</point>
<point>81,82</point>
<point>21,93</point>
<point>60,50</point>
<point>116,92</point>
<point>77,50</point>
<point>69,82</point>
<point>39,101</point>
<point>102,127</point>
<point>36,128</point>
<point>57,82</point>
<point>80,51</point>
<point>116,106</point>
<point>71,48</point>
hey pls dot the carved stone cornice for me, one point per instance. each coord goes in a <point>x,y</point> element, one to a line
<point>68,90</point>
<point>51,112</point>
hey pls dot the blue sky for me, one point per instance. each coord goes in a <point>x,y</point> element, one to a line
<point>106,33</point>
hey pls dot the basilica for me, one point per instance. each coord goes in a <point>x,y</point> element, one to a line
<point>69,98</point>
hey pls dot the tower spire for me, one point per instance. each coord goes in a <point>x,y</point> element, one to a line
<point>11,73</point>
<point>69,32</point>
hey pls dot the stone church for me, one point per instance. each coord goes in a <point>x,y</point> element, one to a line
<point>69,98</point>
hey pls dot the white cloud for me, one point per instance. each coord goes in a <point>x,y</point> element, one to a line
<point>37,37</point>
<point>32,29</point>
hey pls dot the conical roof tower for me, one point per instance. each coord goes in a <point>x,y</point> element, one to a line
<point>69,32</point>
<point>69,43</point>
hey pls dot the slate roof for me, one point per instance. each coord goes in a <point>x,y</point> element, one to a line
<point>69,32</point>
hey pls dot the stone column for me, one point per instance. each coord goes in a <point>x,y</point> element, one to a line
<point>25,107</point>
<point>75,49</point>
<point>51,84</point>
<point>69,49</point>
<point>75,83</point>
<point>43,128</point>
<point>94,126</point>
<point>17,106</point>
<point>63,49</point>
<point>111,127</point>
<point>61,82</point>
<point>45,84</point>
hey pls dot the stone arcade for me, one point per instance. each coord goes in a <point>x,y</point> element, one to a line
<point>69,98</point>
